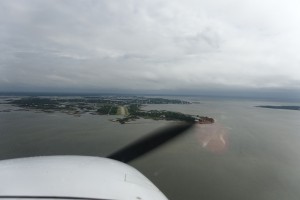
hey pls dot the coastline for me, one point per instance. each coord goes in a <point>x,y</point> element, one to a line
<point>128,107</point>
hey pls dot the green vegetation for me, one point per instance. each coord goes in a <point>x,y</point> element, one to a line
<point>168,115</point>
<point>130,107</point>
<point>108,110</point>
<point>281,107</point>
<point>41,103</point>
<point>136,112</point>
<point>133,109</point>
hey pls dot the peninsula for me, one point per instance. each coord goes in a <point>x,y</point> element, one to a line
<point>281,107</point>
<point>128,108</point>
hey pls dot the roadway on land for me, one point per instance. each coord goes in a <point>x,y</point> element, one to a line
<point>122,110</point>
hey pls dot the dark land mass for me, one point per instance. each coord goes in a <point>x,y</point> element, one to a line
<point>281,107</point>
<point>129,107</point>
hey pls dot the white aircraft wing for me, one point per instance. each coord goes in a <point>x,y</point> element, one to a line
<point>74,177</point>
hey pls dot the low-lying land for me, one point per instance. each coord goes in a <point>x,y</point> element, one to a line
<point>127,107</point>
<point>281,107</point>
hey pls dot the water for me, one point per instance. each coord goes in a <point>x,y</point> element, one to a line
<point>261,159</point>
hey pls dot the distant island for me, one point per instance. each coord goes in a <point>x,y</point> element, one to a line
<point>281,107</point>
<point>128,107</point>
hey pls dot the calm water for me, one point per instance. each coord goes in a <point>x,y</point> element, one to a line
<point>260,161</point>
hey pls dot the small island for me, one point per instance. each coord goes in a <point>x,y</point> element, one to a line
<point>130,108</point>
<point>281,107</point>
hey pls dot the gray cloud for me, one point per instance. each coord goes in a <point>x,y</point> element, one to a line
<point>149,45</point>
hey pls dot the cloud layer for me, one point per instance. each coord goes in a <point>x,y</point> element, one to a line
<point>99,45</point>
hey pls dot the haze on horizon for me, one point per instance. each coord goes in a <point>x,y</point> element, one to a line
<point>150,45</point>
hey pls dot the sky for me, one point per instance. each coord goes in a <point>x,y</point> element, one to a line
<point>189,46</point>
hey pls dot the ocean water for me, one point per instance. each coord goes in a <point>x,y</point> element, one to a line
<point>249,153</point>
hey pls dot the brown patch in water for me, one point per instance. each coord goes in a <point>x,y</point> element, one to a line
<point>212,137</point>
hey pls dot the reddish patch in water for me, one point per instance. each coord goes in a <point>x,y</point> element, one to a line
<point>212,137</point>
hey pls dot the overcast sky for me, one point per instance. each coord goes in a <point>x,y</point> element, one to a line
<point>154,45</point>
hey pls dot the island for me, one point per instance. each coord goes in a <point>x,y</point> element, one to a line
<point>129,108</point>
<point>281,107</point>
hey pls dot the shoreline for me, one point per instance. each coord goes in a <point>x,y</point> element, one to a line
<point>129,108</point>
